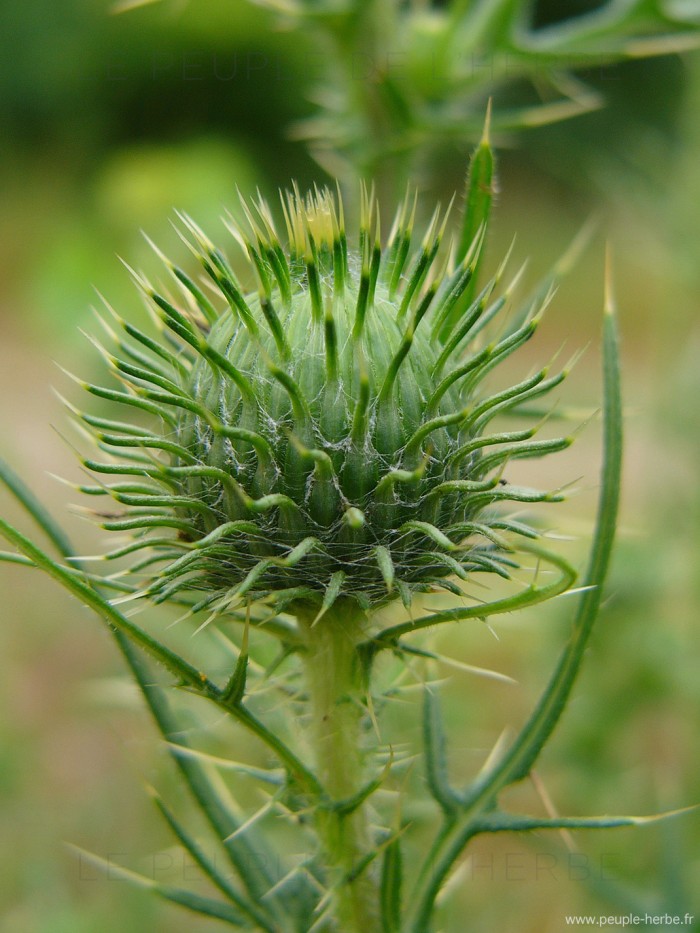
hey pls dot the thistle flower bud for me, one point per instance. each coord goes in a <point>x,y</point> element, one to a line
<point>326,435</point>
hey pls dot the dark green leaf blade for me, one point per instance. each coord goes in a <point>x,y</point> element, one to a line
<point>390,891</point>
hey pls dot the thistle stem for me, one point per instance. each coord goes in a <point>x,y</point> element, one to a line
<point>335,699</point>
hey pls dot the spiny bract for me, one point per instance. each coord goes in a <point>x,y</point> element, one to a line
<point>326,435</point>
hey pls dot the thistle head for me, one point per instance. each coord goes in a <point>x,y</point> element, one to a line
<point>324,433</point>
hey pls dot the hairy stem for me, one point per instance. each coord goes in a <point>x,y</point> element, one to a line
<point>334,683</point>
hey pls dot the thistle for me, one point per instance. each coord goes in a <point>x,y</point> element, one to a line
<point>313,440</point>
<point>326,438</point>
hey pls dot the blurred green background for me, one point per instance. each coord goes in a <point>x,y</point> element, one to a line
<point>109,123</point>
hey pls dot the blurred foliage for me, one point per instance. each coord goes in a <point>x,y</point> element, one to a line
<point>107,124</point>
<point>404,83</point>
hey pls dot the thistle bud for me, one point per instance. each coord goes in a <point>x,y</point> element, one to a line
<point>326,434</point>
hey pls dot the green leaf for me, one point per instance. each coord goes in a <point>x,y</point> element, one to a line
<point>129,634</point>
<point>184,671</point>
<point>386,566</point>
<point>515,823</point>
<point>247,856</point>
<point>348,806</point>
<point>333,591</point>
<point>528,596</point>
<point>9,557</point>
<point>390,890</point>
<point>517,761</point>
<point>480,189</point>
<point>435,744</point>
<point>212,871</point>
<point>205,906</point>
<point>235,689</point>
<point>274,777</point>
<point>527,746</point>
<point>199,904</point>
<point>34,507</point>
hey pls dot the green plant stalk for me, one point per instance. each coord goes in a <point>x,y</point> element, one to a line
<point>336,703</point>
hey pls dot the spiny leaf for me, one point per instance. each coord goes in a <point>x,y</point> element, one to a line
<point>333,591</point>
<point>34,507</point>
<point>73,584</point>
<point>539,727</point>
<point>351,804</point>
<point>430,531</point>
<point>435,744</point>
<point>210,868</point>
<point>275,778</point>
<point>423,261</point>
<point>185,672</point>
<point>480,190</point>
<point>511,822</point>
<point>528,596</point>
<point>197,903</point>
<point>390,887</point>
<point>386,566</point>
<point>248,856</point>
<point>235,689</point>
<point>515,763</point>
